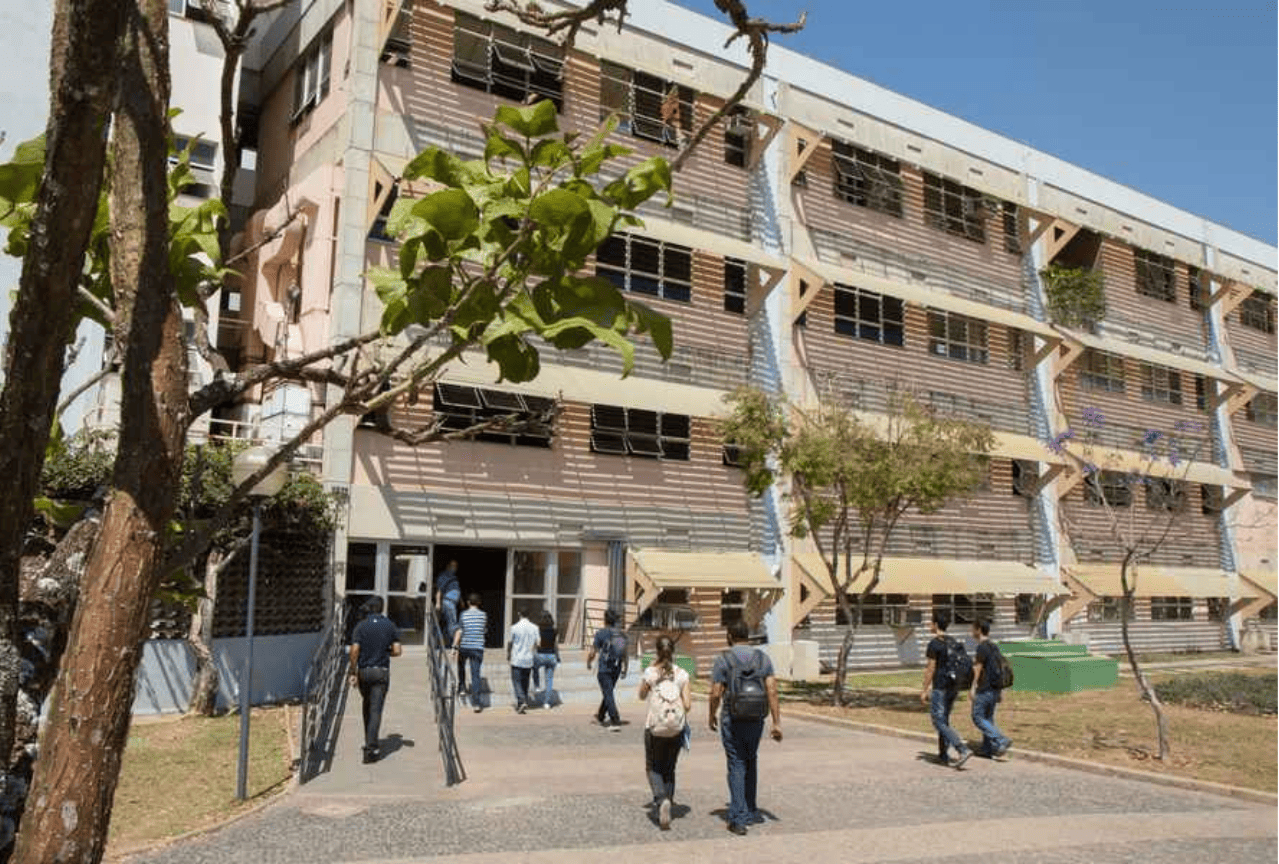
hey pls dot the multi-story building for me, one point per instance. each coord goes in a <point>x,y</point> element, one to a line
<point>830,241</point>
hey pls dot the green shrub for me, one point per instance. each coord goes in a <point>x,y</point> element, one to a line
<point>1222,691</point>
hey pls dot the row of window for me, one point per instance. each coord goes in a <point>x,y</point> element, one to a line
<point>1157,278</point>
<point>311,75</point>
<point>1162,493</point>
<point>1109,609</point>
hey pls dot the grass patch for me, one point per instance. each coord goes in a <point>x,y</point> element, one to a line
<point>1222,691</point>
<point>179,775</point>
<point>1111,726</point>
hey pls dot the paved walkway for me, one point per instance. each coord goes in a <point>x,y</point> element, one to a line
<point>550,786</point>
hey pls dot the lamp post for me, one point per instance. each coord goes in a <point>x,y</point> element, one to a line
<point>245,465</point>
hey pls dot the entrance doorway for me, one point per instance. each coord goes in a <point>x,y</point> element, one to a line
<point>480,570</point>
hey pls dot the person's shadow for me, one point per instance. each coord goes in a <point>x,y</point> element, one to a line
<point>391,743</point>
<point>765,816</point>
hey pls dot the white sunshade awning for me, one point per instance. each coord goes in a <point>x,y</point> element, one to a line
<point>589,386</point>
<point>1266,580</point>
<point>1127,461</point>
<point>725,570</point>
<point>1147,355</point>
<point>1261,382</point>
<point>943,576</point>
<point>706,241</point>
<point>923,295</point>
<point>1151,580</point>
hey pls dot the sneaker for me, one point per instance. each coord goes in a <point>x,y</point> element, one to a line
<point>479,708</point>
<point>370,756</point>
<point>521,708</point>
<point>547,705</point>
<point>734,828</point>
<point>963,757</point>
<point>615,727</point>
<point>1003,748</point>
<point>664,814</point>
<point>756,818</point>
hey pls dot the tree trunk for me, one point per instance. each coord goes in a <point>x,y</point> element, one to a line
<point>48,601</point>
<point>1143,686</point>
<point>204,689</point>
<point>82,67</point>
<point>76,774</point>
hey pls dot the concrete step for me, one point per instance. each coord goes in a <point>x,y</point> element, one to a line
<point>574,684</point>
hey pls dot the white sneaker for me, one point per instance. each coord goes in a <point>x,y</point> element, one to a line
<point>664,815</point>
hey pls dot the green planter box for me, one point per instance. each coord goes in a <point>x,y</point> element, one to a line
<point>688,664</point>
<point>1041,646</point>
<point>1052,672</point>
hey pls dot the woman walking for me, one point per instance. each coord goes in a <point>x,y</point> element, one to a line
<point>665,686</point>
<point>547,654</point>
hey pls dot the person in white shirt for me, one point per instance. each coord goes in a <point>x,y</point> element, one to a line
<point>665,685</point>
<point>519,653</point>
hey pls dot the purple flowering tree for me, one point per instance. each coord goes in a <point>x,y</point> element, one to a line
<point>1103,456</point>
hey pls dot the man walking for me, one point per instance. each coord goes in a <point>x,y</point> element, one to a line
<point>986,692</point>
<point>939,693</point>
<point>374,641</point>
<point>519,653</point>
<point>742,680</point>
<point>610,645</point>
<point>448,594</point>
<point>469,644</point>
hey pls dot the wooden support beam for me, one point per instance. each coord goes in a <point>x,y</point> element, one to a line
<point>1060,233</point>
<point>1074,350</point>
<point>1042,223</point>
<point>1235,496</point>
<point>1073,476</point>
<point>1242,394</point>
<point>640,588</point>
<point>381,182</point>
<point>1249,607</point>
<point>1051,344</point>
<point>801,144</point>
<point>1081,597</point>
<point>760,147</point>
<point>800,273</point>
<point>758,288</point>
<point>817,592</point>
<point>391,10</point>
<point>1229,295</point>
<point>1054,470</point>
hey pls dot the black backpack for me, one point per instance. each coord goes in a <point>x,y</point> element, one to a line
<point>746,696</point>
<point>957,669</point>
<point>613,654</point>
<point>999,672</point>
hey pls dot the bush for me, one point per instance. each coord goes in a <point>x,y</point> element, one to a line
<point>1222,691</point>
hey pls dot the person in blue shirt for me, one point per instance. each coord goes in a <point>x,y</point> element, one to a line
<point>448,596</point>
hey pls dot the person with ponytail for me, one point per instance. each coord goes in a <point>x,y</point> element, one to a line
<point>665,686</point>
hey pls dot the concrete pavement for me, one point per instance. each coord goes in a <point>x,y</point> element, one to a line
<point>550,786</point>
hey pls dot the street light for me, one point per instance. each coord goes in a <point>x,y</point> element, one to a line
<point>246,464</point>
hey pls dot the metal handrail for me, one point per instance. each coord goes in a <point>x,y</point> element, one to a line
<point>325,699</point>
<point>443,700</point>
<point>593,610</point>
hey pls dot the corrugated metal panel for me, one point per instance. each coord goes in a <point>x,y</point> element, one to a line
<point>1154,636</point>
<point>670,569</point>
<point>946,576</point>
<point>1155,581</point>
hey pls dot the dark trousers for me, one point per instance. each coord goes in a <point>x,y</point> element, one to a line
<point>519,682</point>
<point>741,748</point>
<point>660,756</point>
<point>608,705</point>
<point>373,683</point>
<point>474,658</point>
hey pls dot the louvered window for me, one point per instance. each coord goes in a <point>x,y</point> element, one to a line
<point>645,266</point>
<point>646,106</point>
<point>516,418</point>
<point>867,179</point>
<point>639,432</point>
<point>502,61</point>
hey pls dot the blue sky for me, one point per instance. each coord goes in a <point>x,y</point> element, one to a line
<point>1177,100</point>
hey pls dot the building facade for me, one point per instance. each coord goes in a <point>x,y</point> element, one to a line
<point>830,241</point>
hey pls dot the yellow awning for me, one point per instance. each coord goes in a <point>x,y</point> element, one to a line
<point>1148,355</point>
<point>590,386</point>
<point>1152,580</point>
<point>923,295</point>
<point>1266,580</point>
<point>705,569</point>
<point>943,576</point>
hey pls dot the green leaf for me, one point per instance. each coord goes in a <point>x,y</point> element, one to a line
<point>531,121</point>
<point>431,294</point>
<point>435,164</point>
<point>516,360</point>
<point>479,307</point>
<point>451,212</point>
<point>550,153</point>
<point>401,219</point>
<point>498,146</point>
<point>557,208</point>
<point>656,325</point>
<point>640,183</point>
<point>61,514</point>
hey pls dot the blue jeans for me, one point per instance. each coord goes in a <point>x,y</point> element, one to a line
<point>448,605</point>
<point>608,705</point>
<point>984,719</point>
<point>660,756</point>
<point>474,658</point>
<point>741,747</point>
<point>373,683</point>
<point>519,680</point>
<point>939,708</point>
<point>547,662</point>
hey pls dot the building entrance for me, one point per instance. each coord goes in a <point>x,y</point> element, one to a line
<point>480,570</point>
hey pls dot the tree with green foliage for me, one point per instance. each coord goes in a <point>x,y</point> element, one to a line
<point>852,478</point>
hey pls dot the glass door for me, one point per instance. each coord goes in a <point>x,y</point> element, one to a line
<point>408,581</point>
<point>529,571</point>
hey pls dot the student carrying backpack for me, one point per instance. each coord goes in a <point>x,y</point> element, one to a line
<point>957,671</point>
<point>746,696</point>
<point>665,685</point>
<point>609,645</point>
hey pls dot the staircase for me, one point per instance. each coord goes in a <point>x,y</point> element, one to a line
<point>573,683</point>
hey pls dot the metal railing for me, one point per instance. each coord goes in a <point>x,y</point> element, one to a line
<point>593,610</point>
<point>325,699</point>
<point>443,700</point>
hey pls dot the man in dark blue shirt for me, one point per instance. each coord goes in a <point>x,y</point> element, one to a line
<point>939,695</point>
<point>448,596</point>
<point>374,641</point>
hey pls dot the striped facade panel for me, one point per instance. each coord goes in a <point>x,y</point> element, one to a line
<point>857,372</point>
<point>1192,539</point>
<point>1165,324</point>
<point>880,645</point>
<point>1256,443</point>
<point>1254,350</point>
<point>1149,636</point>
<point>906,248</point>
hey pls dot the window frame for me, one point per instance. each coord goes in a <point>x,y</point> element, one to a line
<point>647,106</point>
<point>1108,608</point>
<point>1266,413</point>
<point>501,72</point>
<point>735,285</point>
<point>1165,494</point>
<point>955,341</point>
<point>640,432</point>
<point>1113,486</point>
<point>1172,609</point>
<point>1262,318</point>
<point>1156,275</point>
<point>312,75</point>
<point>738,140</point>
<point>952,207</point>
<point>877,610</point>
<point>625,276</point>
<point>1101,370</point>
<point>459,406</point>
<point>869,318</point>
<point>965,608</point>
<point>1160,384</point>
<point>867,179</point>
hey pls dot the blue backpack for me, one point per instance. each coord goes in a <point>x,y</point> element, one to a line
<point>613,653</point>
